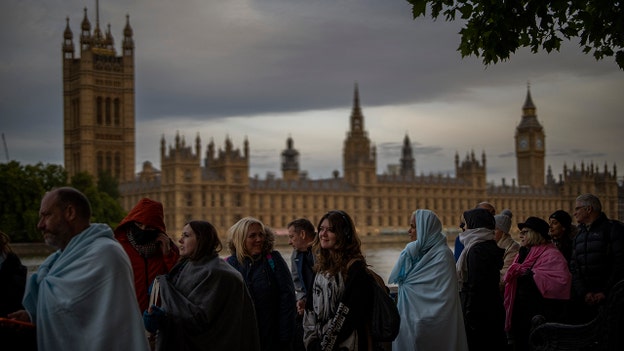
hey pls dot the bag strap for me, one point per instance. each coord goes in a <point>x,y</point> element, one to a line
<point>155,293</point>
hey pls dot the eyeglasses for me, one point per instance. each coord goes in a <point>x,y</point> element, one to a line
<point>524,231</point>
<point>322,229</point>
<point>579,207</point>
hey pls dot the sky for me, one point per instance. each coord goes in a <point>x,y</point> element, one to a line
<point>266,70</point>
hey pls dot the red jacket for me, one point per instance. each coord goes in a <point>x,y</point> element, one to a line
<point>150,213</point>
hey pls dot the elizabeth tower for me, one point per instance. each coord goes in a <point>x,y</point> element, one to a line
<point>530,148</point>
<point>98,102</point>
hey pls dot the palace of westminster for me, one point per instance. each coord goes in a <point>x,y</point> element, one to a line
<point>214,184</point>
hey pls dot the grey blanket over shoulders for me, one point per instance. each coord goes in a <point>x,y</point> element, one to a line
<point>208,307</point>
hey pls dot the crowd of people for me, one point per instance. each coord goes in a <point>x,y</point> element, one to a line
<point>134,288</point>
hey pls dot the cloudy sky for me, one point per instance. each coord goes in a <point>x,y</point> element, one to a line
<point>269,69</point>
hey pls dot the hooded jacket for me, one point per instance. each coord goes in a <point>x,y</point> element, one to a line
<point>149,213</point>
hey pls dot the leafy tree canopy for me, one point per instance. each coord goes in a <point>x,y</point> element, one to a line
<point>22,187</point>
<point>104,208</point>
<point>495,29</point>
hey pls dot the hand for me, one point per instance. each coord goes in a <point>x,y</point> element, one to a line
<point>20,315</point>
<point>594,298</point>
<point>164,242</point>
<point>301,306</point>
<point>152,318</point>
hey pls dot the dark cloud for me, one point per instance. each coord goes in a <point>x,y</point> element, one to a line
<point>207,61</point>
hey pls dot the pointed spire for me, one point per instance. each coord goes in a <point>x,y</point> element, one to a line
<point>86,25</point>
<point>97,14</point>
<point>85,34</point>
<point>98,38</point>
<point>110,42</point>
<point>528,103</point>
<point>68,42</point>
<point>357,120</point>
<point>128,43</point>
<point>128,29</point>
<point>246,147</point>
<point>407,158</point>
<point>356,96</point>
<point>68,33</point>
<point>197,145</point>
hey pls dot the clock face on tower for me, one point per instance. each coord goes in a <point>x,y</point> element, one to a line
<point>538,143</point>
<point>523,144</point>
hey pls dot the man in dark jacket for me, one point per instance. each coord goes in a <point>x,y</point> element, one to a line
<point>301,234</point>
<point>597,262</point>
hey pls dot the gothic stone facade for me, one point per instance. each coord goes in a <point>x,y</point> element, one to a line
<point>98,103</point>
<point>99,135</point>
<point>219,189</point>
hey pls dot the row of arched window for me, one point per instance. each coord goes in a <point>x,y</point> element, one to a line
<point>109,161</point>
<point>108,111</point>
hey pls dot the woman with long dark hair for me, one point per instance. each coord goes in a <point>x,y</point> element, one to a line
<point>337,316</point>
<point>203,302</point>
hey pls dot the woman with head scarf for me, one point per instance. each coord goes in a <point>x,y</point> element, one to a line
<point>428,298</point>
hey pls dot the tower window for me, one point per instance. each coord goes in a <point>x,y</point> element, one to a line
<point>117,111</point>
<point>108,111</point>
<point>109,162</point>
<point>117,170</point>
<point>100,162</point>
<point>98,106</point>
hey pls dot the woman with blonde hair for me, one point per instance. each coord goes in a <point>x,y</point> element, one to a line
<point>538,282</point>
<point>268,279</point>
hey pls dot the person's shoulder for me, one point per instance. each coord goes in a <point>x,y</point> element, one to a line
<point>230,259</point>
<point>105,245</point>
<point>225,269</point>
<point>617,225</point>
<point>276,254</point>
<point>486,248</point>
<point>358,266</point>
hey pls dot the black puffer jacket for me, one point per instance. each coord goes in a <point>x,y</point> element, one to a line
<point>598,257</point>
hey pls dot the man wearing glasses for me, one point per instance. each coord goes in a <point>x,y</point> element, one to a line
<point>597,262</point>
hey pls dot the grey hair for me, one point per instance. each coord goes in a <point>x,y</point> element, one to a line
<point>590,200</point>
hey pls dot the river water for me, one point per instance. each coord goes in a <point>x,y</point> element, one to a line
<point>380,256</point>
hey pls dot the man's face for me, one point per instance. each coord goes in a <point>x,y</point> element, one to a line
<point>54,222</point>
<point>296,239</point>
<point>581,213</point>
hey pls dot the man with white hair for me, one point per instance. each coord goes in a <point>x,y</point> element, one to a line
<point>597,262</point>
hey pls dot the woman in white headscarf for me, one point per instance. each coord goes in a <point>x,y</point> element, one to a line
<point>428,297</point>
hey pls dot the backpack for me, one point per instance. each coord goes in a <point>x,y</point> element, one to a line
<point>385,318</point>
